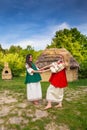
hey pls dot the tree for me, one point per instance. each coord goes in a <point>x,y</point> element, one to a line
<point>1,49</point>
<point>29,48</point>
<point>14,49</point>
<point>72,40</point>
<point>15,62</point>
<point>1,62</point>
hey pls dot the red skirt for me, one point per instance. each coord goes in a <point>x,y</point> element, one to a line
<point>59,79</point>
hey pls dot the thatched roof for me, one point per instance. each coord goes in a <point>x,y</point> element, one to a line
<point>51,55</point>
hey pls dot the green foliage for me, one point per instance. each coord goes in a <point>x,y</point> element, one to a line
<point>83,70</point>
<point>69,39</point>
<point>16,63</point>
<point>1,63</point>
<point>75,43</point>
<point>16,56</point>
<point>14,49</point>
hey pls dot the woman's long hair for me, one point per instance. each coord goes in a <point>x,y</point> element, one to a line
<point>28,61</point>
<point>62,59</point>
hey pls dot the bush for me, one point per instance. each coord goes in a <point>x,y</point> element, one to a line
<point>83,70</point>
<point>16,63</point>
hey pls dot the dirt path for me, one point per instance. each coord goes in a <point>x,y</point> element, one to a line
<point>16,110</point>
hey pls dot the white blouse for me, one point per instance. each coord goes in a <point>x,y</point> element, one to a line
<point>29,69</point>
<point>55,67</point>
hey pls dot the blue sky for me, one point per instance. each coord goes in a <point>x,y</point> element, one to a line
<point>34,22</point>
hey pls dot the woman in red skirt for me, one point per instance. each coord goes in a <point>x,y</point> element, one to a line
<point>58,82</point>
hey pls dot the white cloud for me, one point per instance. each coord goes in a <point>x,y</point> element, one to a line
<point>40,41</point>
<point>83,28</point>
<point>60,27</point>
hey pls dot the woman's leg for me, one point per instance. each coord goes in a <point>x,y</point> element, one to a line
<point>36,102</point>
<point>49,105</point>
<point>60,97</point>
<point>59,105</point>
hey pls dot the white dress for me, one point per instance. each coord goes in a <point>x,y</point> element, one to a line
<point>55,94</point>
<point>33,89</point>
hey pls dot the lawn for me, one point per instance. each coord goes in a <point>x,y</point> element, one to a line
<point>16,113</point>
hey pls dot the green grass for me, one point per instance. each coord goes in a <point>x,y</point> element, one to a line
<point>77,83</point>
<point>72,116</point>
<point>17,84</point>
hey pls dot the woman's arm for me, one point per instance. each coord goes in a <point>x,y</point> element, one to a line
<point>36,71</point>
<point>45,67</point>
<point>31,70</point>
